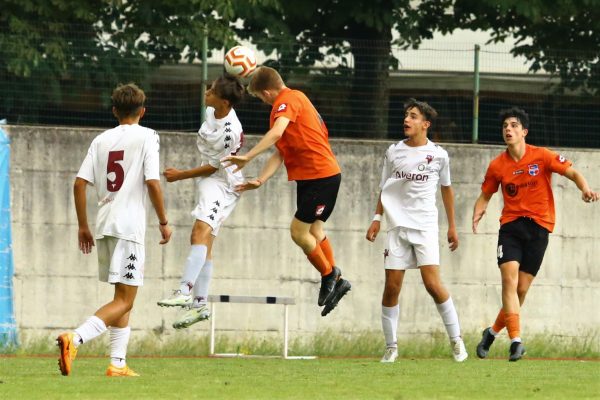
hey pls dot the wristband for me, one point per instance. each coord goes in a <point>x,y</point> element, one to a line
<point>377,217</point>
<point>166,223</point>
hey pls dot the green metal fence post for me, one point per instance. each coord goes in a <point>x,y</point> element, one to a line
<point>204,75</point>
<point>475,137</point>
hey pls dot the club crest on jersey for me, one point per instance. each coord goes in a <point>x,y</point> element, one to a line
<point>561,159</point>
<point>281,107</point>
<point>429,158</point>
<point>533,169</point>
<point>319,210</point>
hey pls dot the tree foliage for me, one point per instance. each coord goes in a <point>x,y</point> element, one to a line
<point>60,47</point>
<point>558,36</point>
<point>312,31</point>
<point>53,49</point>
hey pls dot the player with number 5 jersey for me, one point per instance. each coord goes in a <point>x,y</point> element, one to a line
<point>123,165</point>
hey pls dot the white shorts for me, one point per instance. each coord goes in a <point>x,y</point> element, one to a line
<point>120,261</point>
<point>411,248</point>
<point>216,201</point>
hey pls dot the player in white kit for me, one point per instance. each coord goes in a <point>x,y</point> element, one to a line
<point>219,136</point>
<point>123,165</point>
<point>412,170</point>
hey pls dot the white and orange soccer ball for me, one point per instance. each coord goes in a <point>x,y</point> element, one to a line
<point>240,61</point>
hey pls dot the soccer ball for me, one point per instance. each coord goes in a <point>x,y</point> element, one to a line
<point>240,61</point>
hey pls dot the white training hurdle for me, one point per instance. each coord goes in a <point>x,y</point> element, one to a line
<point>285,301</point>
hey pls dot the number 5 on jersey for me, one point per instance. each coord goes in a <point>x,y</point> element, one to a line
<point>115,170</point>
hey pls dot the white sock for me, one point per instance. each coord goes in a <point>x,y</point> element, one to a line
<point>389,323</point>
<point>517,339</point>
<point>493,332</point>
<point>119,339</point>
<point>90,329</point>
<point>450,318</point>
<point>202,284</point>
<point>193,265</point>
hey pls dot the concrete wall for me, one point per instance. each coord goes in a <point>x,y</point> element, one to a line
<point>56,286</point>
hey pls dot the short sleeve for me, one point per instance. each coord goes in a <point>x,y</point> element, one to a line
<point>288,107</point>
<point>556,162</point>
<point>386,170</point>
<point>86,171</point>
<point>445,171</point>
<point>490,182</point>
<point>151,157</point>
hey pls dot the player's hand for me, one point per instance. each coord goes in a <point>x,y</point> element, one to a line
<point>373,230</point>
<point>476,218</point>
<point>588,196</point>
<point>86,240</point>
<point>165,232</point>
<point>172,174</point>
<point>249,185</point>
<point>452,239</point>
<point>239,161</point>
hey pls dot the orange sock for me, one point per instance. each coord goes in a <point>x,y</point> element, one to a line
<point>513,324</point>
<point>500,321</point>
<point>319,261</point>
<point>327,250</point>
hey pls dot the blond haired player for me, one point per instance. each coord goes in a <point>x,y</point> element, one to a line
<point>123,165</point>
<point>220,135</point>
<point>301,138</point>
<point>412,170</point>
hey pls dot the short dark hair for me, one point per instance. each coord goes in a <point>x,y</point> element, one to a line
<point>128,100</point>
<point>230,88</point>
<point>425,109</point>
<point>515,112</point>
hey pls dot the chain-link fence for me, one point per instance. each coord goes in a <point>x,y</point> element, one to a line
<point>358,89</point>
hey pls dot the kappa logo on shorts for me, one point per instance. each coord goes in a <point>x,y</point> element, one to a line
<point>132,257</point>
<point>128,275</point>
<point>386,253</point>
<point>319,210</point>
<point>130,267</point>
<point>500,252</point>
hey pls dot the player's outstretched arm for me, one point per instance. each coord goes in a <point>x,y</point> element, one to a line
<point>448,200</point>
<point>156,197</point>
<point>84,235</point>
<point>271,166</point>
<point>479,209</point>
<point>270,138</point>
<point>174,174</point>
<point>587,194</point>
<point>376,223</point>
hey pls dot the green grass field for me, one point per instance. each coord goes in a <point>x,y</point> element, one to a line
<point>175,366</point>
<point>25,377</point>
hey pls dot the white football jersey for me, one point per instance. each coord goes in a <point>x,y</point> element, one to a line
<point>218,138</point>
<point>118,163</point>
<point>409,183</point>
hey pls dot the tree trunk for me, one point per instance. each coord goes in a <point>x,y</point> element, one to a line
<point>370,87</point>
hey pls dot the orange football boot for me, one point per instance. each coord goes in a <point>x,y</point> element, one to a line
<point>115,371</point>
<point>68,352</point>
